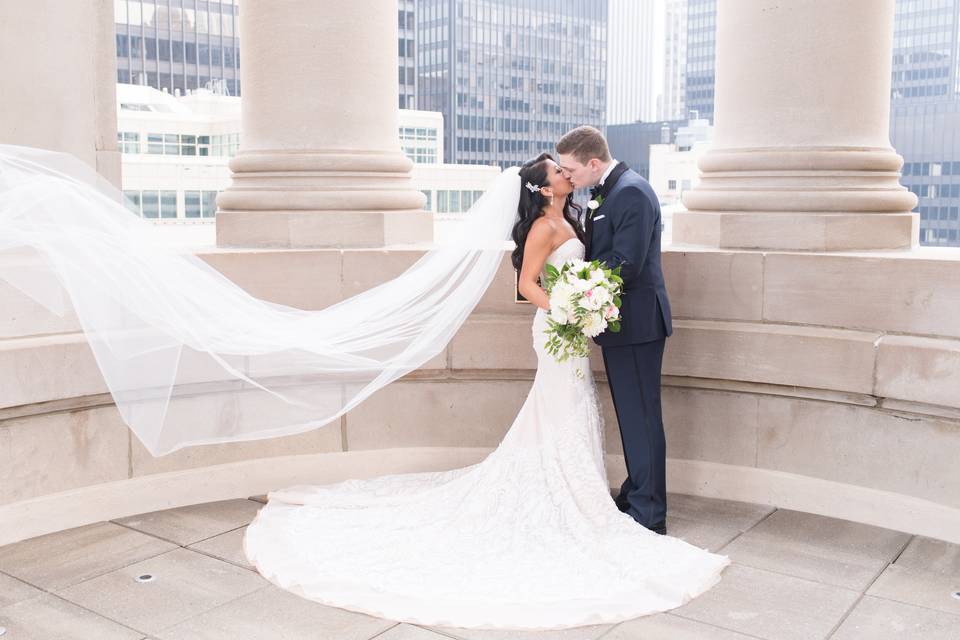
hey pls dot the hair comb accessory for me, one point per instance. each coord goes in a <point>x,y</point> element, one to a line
<point>534,188</point>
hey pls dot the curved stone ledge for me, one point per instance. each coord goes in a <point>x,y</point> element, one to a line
<point>922,371</point>
<point>111,500</point>
<point>823,438</point>
<point>915,292</point>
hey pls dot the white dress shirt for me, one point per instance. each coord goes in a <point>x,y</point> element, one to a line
<point>613,163</point>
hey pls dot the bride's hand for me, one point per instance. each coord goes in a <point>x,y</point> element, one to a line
<point>535,253</point>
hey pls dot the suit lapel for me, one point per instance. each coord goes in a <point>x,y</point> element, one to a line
<point>605,189</point>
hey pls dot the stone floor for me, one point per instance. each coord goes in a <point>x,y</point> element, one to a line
<point>794,576</point>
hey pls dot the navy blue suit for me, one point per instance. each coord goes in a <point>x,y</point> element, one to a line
<point>625,231</point>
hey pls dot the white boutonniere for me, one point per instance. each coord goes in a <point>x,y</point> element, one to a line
<point>594,204</point>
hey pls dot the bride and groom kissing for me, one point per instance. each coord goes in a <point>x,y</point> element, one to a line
<point>621,228</point>
<point>529,537</point>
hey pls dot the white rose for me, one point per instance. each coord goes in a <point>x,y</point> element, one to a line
<point>593,204</point>
<point>596,276</point>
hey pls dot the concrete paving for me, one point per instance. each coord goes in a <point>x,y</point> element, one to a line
<point>794,576</point>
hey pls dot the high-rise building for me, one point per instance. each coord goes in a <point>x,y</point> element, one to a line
<point>407,53</point>
<point>178,45</point>
<point>510,76</point>
<point>630,143</point>
<point>927,135</point>
<point>701,53</point>
<point>925,50</point>
<point>636,48</point>
<point>673,104</point>
<point>925,112</point>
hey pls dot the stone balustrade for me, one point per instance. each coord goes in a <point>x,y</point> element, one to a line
<point>823,382</point>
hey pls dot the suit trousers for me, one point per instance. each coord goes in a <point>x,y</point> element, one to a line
<point>633,372</point>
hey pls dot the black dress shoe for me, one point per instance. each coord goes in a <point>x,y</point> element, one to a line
<point>621,503</point>
<point>660,527</point>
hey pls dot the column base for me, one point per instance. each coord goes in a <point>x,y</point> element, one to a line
<point>323,229</point>
<point>797,231</point>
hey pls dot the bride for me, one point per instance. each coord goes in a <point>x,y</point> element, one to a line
<point>529,538</point>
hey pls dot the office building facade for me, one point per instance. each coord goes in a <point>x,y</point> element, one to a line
<point>925,112</point>
<point>510,76</point>
<point>407,53</point>
<point>179,45</point>
<point>673,104</point>
<point>636,48</point>
<point>701,57</point>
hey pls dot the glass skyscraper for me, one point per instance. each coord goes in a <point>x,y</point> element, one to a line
<point>701,54</point>
<point>510,76</point>
<point>178,45</point>
<point>925,56</point>
<point>925,112</point>
<point>406,53</point>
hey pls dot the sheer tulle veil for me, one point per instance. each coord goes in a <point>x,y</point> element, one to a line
<point>188,356</point>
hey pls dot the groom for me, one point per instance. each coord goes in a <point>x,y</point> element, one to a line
<point>623,230</point>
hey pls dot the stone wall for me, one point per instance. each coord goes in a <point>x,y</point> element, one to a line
<point>825,382</point>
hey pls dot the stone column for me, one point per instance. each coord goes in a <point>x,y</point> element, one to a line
<point>58,74</point>
<point>801,158</point>
<point>320,163</point>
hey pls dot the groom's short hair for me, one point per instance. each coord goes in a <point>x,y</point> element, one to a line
<point>584,143</point>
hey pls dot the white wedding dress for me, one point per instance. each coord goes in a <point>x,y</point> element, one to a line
<point>529,538</point>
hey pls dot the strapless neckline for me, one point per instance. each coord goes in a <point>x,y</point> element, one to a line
<point>563,244</point>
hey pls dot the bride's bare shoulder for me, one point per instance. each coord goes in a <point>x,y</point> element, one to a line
<point>543,227</point>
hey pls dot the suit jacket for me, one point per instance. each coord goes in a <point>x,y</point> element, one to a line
<point>625,232</point>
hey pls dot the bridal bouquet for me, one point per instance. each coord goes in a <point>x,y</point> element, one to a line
<point>584,302</point>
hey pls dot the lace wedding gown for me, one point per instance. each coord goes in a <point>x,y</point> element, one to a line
<point>529,538</point>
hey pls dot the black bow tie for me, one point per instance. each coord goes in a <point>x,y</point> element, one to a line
<point>595,191</point>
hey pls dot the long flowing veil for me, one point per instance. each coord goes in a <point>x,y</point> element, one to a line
<point>188,356</point>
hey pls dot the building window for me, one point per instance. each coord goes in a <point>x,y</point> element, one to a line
<point>209,204</point>
<point>188,145</point>
<point>150,202</point>
<point>155,143</point>
<point>168,204</point>
<point>132,201</point>
<point>129,141</point>
<point>191,204</point>
<point>429,204</point>
<point>671,184</point>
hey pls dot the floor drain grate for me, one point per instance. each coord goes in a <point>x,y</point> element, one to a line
<point>146,577</point>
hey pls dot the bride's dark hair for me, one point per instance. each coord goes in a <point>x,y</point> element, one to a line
<point>532,204</point>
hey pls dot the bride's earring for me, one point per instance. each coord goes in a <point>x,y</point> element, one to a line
<point>551,201</point>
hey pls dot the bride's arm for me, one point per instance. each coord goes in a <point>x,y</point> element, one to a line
<point>535,252</point>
